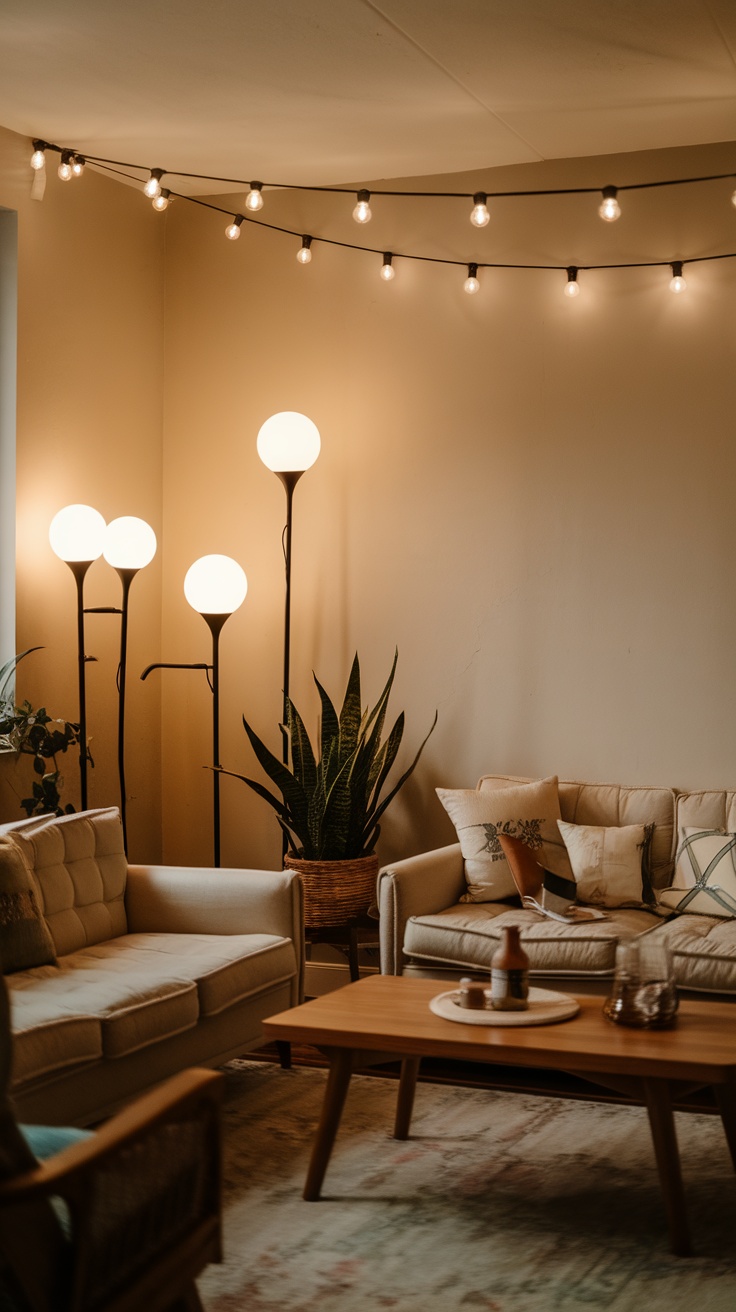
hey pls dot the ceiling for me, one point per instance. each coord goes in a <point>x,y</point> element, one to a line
<point>333,91</point>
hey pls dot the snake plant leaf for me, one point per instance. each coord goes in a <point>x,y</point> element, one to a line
<point>294,795</point>
<point>302,756</point>
<point>350,714</point>
<point>282,813</point>
<point>379,710</point>
<point>330,722</point>
<point>387,800</point>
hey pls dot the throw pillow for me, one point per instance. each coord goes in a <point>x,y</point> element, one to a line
<point>610,863</point>
<point>25,940</point>
<point>705,874</point>
<point>526,811</point>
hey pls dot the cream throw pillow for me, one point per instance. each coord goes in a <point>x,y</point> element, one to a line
<point>526,811</point>
<point>607,862</point>
<point>25,940</point>
<point>705,874</point>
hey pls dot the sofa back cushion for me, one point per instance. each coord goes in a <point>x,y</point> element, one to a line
<point>708,809</point>
<point>79,865</point>
<point>617,804</point>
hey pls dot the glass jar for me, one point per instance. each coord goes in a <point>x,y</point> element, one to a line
<point>644,994</point>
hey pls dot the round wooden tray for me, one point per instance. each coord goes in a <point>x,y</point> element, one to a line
<point>545,1007</point>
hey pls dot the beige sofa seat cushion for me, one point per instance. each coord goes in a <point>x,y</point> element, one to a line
<point>226,968</point>
<point>467,935</point>
<point>703,951</point>
<point>79,865</point>
<point>47,1038</point>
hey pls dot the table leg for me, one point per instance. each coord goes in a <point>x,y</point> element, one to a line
<point>405,1099</point>
<point>664,1138</point>
<point>726,1095</point>
<point>283,1047</point>
<point>338,1080</point>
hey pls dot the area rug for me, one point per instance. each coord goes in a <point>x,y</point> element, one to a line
<point>499,1202</point>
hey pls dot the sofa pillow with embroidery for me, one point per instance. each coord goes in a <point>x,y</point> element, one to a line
<point>25,940</point>
<point>526,811</point>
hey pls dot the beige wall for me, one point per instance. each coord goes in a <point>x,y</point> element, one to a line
<point>530,496</point>
<point>90,321</point>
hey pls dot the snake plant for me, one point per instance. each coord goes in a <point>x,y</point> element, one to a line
<point>330,802</point>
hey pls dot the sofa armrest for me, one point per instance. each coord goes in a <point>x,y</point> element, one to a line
<point>194,900</point>
<point>417,886</point>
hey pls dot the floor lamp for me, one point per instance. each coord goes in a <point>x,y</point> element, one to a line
<point>215,586</point>
<point>77,536</point>
<point>288,444</point>
<point>130,545</point>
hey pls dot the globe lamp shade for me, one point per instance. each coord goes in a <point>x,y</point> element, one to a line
<point>77,533</point>
<point>288,442</point>
<point>215,585</point>
<point>130,543</point>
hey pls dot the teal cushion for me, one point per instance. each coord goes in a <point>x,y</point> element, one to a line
<point>48,1140</point>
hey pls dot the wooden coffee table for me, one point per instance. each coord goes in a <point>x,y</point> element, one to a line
<point>385,1017</point>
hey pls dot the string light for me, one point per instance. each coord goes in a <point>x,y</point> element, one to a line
<point>38,158</point>
<point>571,287</point>
<point>232,231</point>
<point>609,208</point>
<point>78,163</point>
<point>304,253</point>
<point>388,271</point>
<point>161,202</point>
<point>362,212</point>
<point>254,199</point>
<point>677,282</point>
<point>65,168</point>
<point>471,284</point>
<point>479,215</point>
<point>152,188</point>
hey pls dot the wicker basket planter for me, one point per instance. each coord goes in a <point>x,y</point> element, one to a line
<point>335,891</point>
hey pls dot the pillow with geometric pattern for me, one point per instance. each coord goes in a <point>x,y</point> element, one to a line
<point>704,882</point>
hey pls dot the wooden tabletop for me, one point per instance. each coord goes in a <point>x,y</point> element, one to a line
<point>391,1014</point>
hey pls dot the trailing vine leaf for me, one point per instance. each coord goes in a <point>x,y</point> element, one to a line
<point>36,733</point>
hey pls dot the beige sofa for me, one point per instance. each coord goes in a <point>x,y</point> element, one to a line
<point>426,930</point>
<point>158,968</point>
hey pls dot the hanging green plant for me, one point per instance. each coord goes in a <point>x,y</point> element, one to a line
<point>331,804</point>
<point>35,733</point>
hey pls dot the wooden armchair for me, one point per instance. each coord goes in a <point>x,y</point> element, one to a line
<point>122,1220</point>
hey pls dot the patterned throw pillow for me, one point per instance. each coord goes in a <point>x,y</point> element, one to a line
<point>705,874</point>
<point>25,940</point>
<point>610,863</point>
<point>526,811</point>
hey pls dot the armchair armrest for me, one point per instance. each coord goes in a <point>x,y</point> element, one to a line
<point>417,886</point>
<point>143,1198</point>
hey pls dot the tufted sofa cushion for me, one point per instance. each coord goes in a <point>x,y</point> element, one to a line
<point>79,865</point>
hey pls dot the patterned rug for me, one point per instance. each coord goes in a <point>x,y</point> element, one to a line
<point>499,1202</point>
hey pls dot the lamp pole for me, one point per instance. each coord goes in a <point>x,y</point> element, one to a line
<point>76,535</point>
<point>288,444</point>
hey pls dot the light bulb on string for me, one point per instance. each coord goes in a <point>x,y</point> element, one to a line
<point>38,158</point>
<point>65,167</point>
<point>387,269</point>
<point>677,282</point>
<point>304,254</point>
<point>479,215</point>
<point>362,212</point>
<point>152,189</point>
<point>572,287</point>
<point>471,284</point>
<point>161,202</point>
<point>78,163</point>
<point>232,231</point>
<point>254,199</point>
<point>609,208</point>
